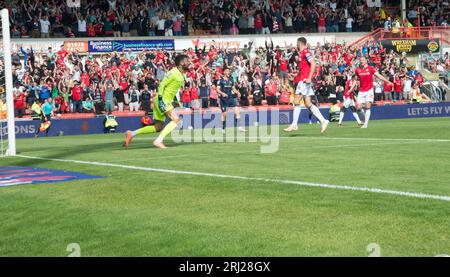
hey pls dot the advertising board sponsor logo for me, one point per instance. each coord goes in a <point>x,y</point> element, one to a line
<point>20,175</point>
<point>76,46</point>
<point>130,45</point>
<point>411,46</point>
<point>100,46</point>
<point>433,46</point>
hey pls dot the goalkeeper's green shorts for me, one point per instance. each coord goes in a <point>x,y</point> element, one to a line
<point>161,106</point>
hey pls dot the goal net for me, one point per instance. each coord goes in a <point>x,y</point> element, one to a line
<point>7,128</point>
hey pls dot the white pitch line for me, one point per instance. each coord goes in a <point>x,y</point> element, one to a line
<point>301,183</point>
<point>354,138</point>
<point>253,152</point>
<point>318,137</point>
<point>364,144</point>
<point>374,139</point>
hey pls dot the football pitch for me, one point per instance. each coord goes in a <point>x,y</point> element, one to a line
<point>351,192</point>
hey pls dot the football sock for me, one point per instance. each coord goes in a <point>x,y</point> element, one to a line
<point>355,115</point>
<point>167,130</point>
<point>341,117</point>
<point>367,116</point>
<point>144,130</point>
<point>317,113</point>
<point>297,111</point>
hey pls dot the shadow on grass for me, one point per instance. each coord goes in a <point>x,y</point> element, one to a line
<point>102,149</point>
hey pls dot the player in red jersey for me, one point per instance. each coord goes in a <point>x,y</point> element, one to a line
<point>307,68</point>
<point>366,90</point>
<point>349,96</point>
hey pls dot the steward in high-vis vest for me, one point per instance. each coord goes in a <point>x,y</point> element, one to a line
<point>335,110</point>
<point>36,110</point>
<point>110,123</point>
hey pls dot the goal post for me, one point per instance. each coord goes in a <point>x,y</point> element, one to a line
<point>8,81</point>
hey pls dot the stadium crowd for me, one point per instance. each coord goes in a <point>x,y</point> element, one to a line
<point>73,82</point>
<point>120,18</point>
<point>429,12</point>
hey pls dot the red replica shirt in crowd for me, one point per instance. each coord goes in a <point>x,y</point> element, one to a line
<point>107,73</point>
<point>419,80</point>
<point>91,30</point>
<point>376,59</point>
<point>160,57</point>
<point>76,93</point>
<point>123,67</point>
<point>219,71</point>
<point>195,60</point>
<point>85,79</point>
<point>98,28</point>
<point>348,58</point>
<point>186,96</point>
<point>317,73</point>
<point>19,101</point>
<point>58,100</point>
<point>387,87</point>
<point>61,54</point>
<point>285,96</point>
<point>212,54</point>
<point>124,86</point>
<point>284,65</point>
<point>304,65</point>
<point>321,21</point>
<point>112,16</point>
<point>258,22</point>
<point>398,85</point>
<point>334,57</point>
<point>271,89</point>
<point>194,93</point>
<point>24,33</point>
<point>113,69</point>
<point>366,78</point>
<point>192,73</point>
<point>347,93</point>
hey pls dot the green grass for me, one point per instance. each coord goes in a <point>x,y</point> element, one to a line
<point>142,213</point>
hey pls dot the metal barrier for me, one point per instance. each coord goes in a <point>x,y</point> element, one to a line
<point>431,91</point>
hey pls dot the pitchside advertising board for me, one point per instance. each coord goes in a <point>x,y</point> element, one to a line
<point>411,46</point>
<point>37,46</point>
<point>27,128</point>
<point>94,46</point>
<point>178,44</point>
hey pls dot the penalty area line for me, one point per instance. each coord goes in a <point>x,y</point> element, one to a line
<point>267,180</point>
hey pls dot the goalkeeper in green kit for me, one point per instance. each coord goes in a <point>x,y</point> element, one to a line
<point>162,104</point>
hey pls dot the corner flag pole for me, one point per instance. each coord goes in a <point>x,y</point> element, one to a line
<point>9,83</point>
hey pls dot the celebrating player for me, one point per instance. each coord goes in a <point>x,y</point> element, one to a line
<point>228,99</point>
<point>366,91</point>
<point>307,67</point>
<point>162,104</point>
<point>349,95</point>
